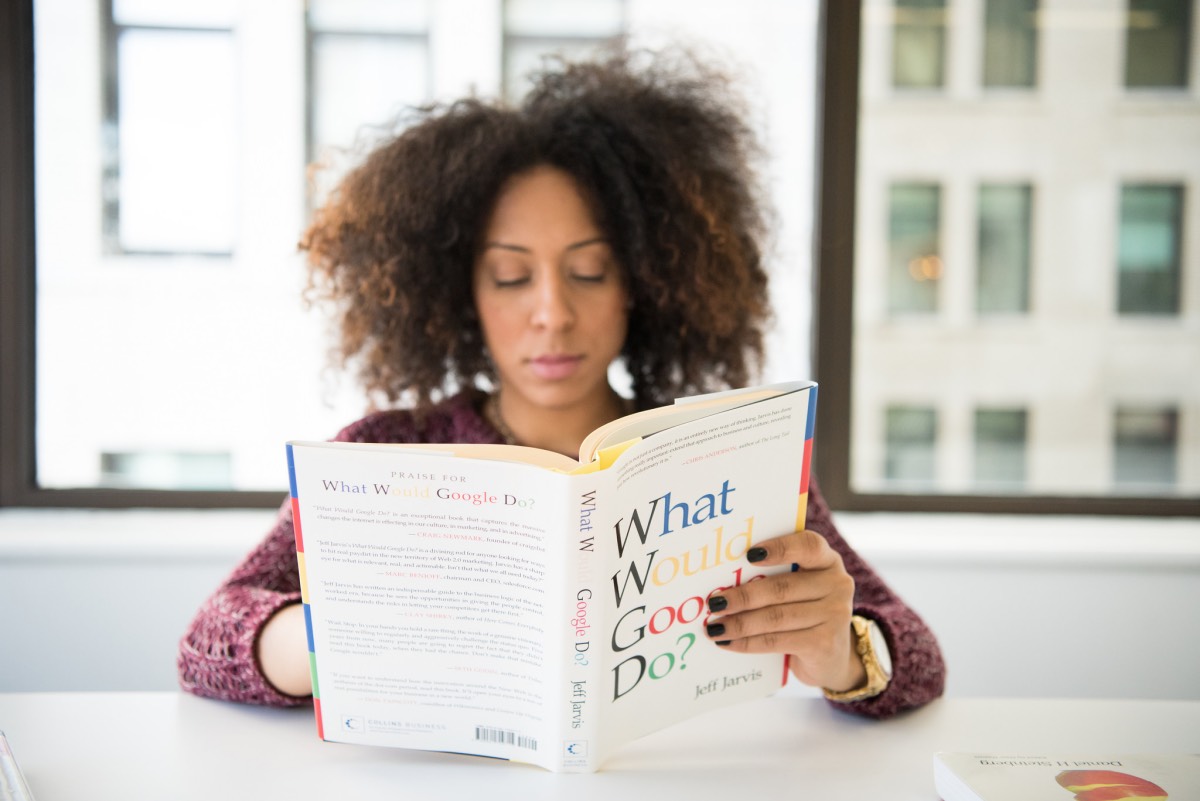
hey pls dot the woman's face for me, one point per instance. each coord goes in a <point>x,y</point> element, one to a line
<point>550,295</point>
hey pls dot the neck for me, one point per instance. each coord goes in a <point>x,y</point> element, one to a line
<point>555,429</point>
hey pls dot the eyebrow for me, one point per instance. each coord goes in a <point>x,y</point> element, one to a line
<point>522,249</point>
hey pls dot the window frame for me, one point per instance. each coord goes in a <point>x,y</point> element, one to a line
<point>833,312</point>
<point>18,457</point>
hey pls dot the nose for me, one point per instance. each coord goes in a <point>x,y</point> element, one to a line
<point>554,308</point>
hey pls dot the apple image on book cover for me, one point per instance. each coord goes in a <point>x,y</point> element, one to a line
<point>1109,785</point>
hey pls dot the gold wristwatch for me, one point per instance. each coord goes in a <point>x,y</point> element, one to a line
<point>872,649</point>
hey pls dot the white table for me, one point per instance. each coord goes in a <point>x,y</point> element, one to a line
<point>174,747</point>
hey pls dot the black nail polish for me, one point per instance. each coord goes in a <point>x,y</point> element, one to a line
<point>756,554</point>
<point>723,642</point>
<point>717,603</point>
<point>715,629</point>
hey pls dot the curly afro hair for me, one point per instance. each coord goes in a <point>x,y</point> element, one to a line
<point>664,150</point>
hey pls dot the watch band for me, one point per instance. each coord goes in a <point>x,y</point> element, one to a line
<point>877,675</point>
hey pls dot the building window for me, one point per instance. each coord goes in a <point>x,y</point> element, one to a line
<point>1158,39</point>
<point>166,470</point>
<point>170,105</point>
<point>914,256</point>
<point>1010,43</point>
<point>919,44</point>
<point>1000,449</point>
<point>1144,449</point>
<point>1149,249</point>
<point>534,29</point>
<point>1004,246</point>
<point>347,42</point>
<point>910,434</point>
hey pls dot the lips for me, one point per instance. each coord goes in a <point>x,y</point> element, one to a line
<point>1109,785</point>
<point>554,367</point>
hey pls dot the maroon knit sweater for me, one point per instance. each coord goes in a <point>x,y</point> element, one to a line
<point>217,653</point>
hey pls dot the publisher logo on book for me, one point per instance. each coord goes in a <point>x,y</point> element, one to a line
<point>575,748</point>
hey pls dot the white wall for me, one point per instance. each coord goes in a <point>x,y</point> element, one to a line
<point>1022,606</point>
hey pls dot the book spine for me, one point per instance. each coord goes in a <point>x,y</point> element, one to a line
<point>304,596</point>
<point>581,723</point>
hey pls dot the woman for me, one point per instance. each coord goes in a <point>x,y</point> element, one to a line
<point>613,216</point>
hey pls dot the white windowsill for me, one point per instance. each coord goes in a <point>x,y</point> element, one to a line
<point>69,535</point>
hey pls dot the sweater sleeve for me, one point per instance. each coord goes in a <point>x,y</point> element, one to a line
<point>217,655</point>
<point>918,671</point>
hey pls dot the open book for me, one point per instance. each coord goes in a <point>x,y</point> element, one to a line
<point>515,603</point>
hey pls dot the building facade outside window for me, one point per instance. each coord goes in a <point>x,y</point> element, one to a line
<point>1066,238</point>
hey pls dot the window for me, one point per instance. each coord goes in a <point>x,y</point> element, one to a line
<point>1158,40</point>
<point>154,345</point>
<point>919,44</point>
<point>1148,254</point>
<point>367,62</point>
<point>1010,43</point>
<point>1064,275</point>
<point>1004,247</point>
<point>1000,436</point>
<point>170,105</point>
<point>1144,448</point>
<point>910,458</point>
<point>914,262</point>
<point>574,28</point>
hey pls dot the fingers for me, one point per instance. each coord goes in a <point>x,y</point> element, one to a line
<point>808,549</point>
<point>785,612</point>
<point>816,571</point>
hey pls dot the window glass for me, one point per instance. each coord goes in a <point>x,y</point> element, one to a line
<point>213,14</point>
<point>1025,275</point>
<point>174,127</point>
<point>1148,266</point>
<point>1158,36</point>
<point>919,44</point>
<point>347,113</point>
<point>1000,449</point>
<point>915,263</point>
<point>174,349</point>
<point>571,28</point>
<point>1144,448</point>
<point>1010,43</point>
<point>909,456</point>
<point>1004,247</point>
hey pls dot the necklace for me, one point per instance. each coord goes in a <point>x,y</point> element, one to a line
<point>491,412</point>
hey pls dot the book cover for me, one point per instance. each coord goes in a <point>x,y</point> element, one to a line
<point>511,603</point>
<point>1129,777</point>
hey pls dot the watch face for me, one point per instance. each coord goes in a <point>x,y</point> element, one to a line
<point>879,644</point>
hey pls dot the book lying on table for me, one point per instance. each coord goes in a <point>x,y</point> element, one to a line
<point>512,602</point>
<point>1131,777</point>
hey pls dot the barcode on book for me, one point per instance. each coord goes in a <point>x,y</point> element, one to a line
<point>507,737</point>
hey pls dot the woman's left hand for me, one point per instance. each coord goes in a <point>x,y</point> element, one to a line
<point>804,613</point>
